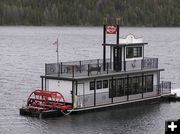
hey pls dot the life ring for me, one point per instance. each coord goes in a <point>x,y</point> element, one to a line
<point>133,64</point>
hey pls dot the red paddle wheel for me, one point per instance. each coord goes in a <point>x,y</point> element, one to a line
<point>42,102</point>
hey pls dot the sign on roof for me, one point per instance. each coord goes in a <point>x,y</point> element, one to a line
<point>111,29</point>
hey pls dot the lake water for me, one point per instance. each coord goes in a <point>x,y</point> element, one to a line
<point>25,50</point>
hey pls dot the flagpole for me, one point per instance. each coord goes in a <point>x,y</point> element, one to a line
<point>57,52</point>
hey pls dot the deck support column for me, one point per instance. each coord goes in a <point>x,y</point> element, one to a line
<point>104,58</point>
<point>75,96</point>
<point>72,93</point>
<point>104,47</point>
<point>42,84</point>
<point>94,92</point>
<point>112,88</point>
<point>142,85</point>
<point>124,59</point>
<point>127,87</point>
<point>45,83</point>
<point>158,85</point>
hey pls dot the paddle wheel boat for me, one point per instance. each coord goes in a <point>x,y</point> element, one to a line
<point>125,77</point>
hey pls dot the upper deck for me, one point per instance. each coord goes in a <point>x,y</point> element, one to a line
<point>89,68</point>
<point>126,56</point>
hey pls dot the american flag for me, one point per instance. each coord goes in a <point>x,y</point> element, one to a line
<point>56,44</point>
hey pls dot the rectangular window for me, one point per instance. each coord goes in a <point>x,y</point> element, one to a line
<point>92,85</point>
<point>135,85</point>
<point>149,83</point>
<point>139,51</point>
<point>98,84</point>
<point>112,88</point>
<point>132,52</point>
<point>119,87</point>
<point>105,83</point>
<point>129,52</point>
<point>135,52</point>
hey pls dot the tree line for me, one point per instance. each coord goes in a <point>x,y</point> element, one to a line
<point>90,12</point>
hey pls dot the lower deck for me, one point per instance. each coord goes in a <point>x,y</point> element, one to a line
<point>103,100</point>
<point>109,90</point>
<point>150,100</point>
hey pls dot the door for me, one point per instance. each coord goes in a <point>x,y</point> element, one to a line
<point>117,56</point>
<point>80,95</point>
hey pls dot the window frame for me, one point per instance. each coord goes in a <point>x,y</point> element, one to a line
<point>105,84</point>
<point>91,85</point>
<point>99,84</point>
<point>134,52</point>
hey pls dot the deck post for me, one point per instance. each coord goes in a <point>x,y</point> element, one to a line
<point>159,82</point>
<point>124,60</point>
<point>104,47</point>
<point>45,83</point>
<point>76,87</point>
<point>104,58</point>
<point>142,61</point>
<point>127,87</point>
<point>88,69</point>
<point>42,83</point>
<point>72,93</point>
<point>75,95</point>
<point>61,67</point>
<point>142,85</point>
<point>80,66</point>
<point>117,36</point>
<point>73,71</point>
<point>94,92</point>
<point>112,88</point>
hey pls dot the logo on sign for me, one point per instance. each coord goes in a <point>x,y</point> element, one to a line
<point>111,29</point>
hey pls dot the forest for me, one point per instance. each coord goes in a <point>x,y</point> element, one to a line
<point>151,13</point>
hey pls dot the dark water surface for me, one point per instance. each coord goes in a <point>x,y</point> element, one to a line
<point>25,50</point>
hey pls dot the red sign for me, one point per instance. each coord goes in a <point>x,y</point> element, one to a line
<point>111,29</point>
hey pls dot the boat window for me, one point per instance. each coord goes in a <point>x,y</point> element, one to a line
<point>99,84</point>
<point>105,83</point>
<point>120,88</point>
<point>112,88</point>
<point>129,52</point>
<point>132,52</point>
<point>135,86</point>
<point>149,83</point>
<point>130,86</point>
<point>92,86</point>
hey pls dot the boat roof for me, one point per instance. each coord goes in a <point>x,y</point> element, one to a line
<point>115,74</point>
<point>125,44</point>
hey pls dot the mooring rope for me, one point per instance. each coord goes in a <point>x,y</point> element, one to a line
<point>68,112</point>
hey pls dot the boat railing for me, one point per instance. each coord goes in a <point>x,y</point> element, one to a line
<point>95,67</point>
<point>165,87</point>
<point>104,98</point>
